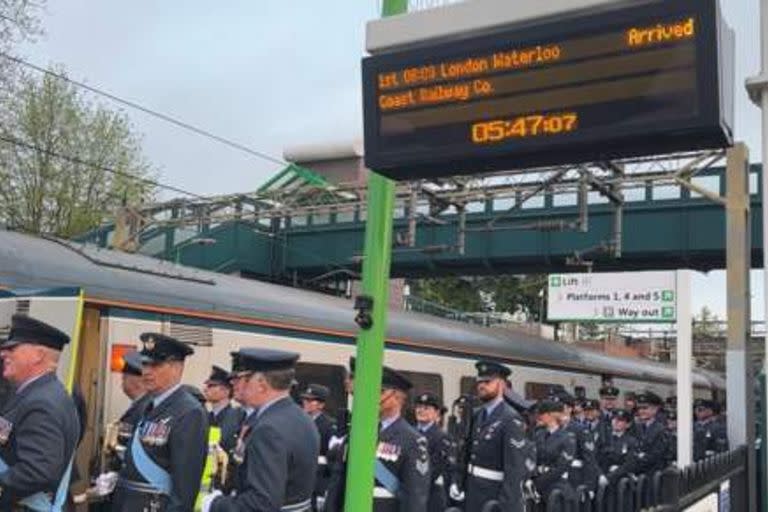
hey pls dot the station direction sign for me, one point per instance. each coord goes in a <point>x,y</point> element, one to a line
<point>647,78</point>
<point>633,297</point>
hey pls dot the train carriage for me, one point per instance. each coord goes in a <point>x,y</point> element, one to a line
<point>126,294</point>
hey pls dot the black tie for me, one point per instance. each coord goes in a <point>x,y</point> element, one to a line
<point>212,419</point>
<point>483,416</point>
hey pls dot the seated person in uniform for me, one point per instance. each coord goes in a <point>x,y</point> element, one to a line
<point>710,434</point>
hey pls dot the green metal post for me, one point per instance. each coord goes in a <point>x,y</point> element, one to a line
<point>370,343</point>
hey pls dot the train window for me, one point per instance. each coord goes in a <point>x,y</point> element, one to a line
<point>423,382</point>
<point>331,376</point>
<point>580,392</point>
<point>192,330</point>
<point>540,390</point>
<point>467,385</point>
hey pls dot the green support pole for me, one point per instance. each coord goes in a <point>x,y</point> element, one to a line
<point>370,343</point>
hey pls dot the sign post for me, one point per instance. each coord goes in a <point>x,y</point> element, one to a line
<point>684,355</point>
<point>370,342</point>
<point>636,297</point>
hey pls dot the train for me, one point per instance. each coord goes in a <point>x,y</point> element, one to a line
<point>127,294</point>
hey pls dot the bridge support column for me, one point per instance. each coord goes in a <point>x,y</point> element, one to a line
<point>739,371</point>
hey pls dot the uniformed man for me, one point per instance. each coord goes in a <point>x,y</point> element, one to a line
<point>710,435</point>
<point>555,452</point>
<point>279,444</point>
<point>442,454</point>
<point>402,469</point>
<point>218,393</point>
<point>133,387</point>
<point>617,454</point>
<point>630,402</point>
<point>609,400</point>
<point>592,415</point>
<point>313,401</point>
<point>500,456</point>
<point>584,468</point>
<point>672,433</point>
<point>167,452</point>
<point>651,434</point>
<point>39,426</point>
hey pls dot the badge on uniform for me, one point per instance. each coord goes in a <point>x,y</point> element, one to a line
<point>389,452</point>
<point>517,444</point>
<point>589,445</point>
<point>624,449</point>
<point>5,430</point>
<point>492,430</point>
<point>155,433</point>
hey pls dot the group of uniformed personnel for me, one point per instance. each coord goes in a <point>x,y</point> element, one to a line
<point>172,453</point>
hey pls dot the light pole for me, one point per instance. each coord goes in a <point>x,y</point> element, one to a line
<point>192,241</point>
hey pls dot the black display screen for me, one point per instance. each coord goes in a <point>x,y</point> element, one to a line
<point>629,82</point>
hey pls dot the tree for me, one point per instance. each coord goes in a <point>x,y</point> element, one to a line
<point>54,147</point>
<point>19,22</point>
<point>503,293</point>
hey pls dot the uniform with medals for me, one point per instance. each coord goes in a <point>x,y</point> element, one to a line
<point>39,428</point>
<point>132,415</point>
<point>500,455</point>
<point>278,446</point>
<point>652,437</point>
<point>442,455</point>
<point>402,472</point>
<point>326,428</point>
<point>167,452</point>
<point>710,435</point>
<point>555,453</point>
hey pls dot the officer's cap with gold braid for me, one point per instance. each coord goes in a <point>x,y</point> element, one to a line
<point>25,329</point>
<point>159,348</point>
<point>264,360</point>
<point>488,370</point>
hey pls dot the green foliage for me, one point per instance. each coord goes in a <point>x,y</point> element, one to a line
<point>503,293</point>
<point>40,192</point>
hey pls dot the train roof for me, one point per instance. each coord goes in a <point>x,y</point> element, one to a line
<point>131,279</point>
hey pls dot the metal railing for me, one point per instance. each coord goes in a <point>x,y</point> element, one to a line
<point>718,478</point>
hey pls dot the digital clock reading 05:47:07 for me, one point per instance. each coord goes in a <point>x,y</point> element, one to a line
<point>540,125</point>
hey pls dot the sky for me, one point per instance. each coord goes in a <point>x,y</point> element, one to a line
<point>269,74</point>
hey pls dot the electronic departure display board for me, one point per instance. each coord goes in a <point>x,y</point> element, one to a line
<point>647,79</point>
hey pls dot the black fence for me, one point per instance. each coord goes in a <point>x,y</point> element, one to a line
<point>722,478</point>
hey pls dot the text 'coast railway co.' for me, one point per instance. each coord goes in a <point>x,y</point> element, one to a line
<point>464,79</point>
